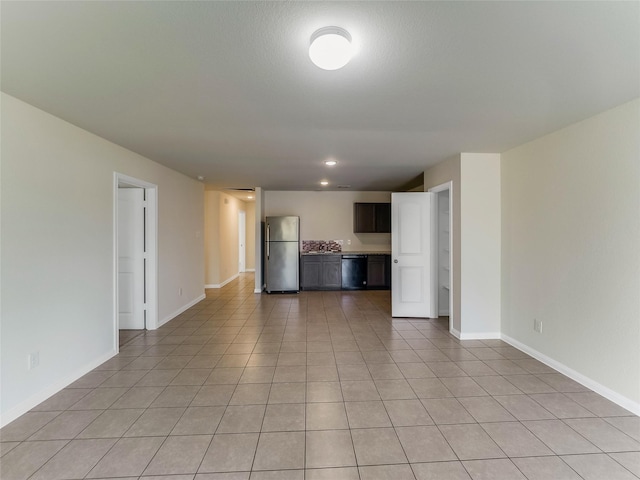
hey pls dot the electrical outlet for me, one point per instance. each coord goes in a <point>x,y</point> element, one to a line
<point>33,360</point>
<point>348,241</point>
<point>537,325</point>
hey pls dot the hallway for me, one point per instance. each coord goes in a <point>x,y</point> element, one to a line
<point>319,386</point>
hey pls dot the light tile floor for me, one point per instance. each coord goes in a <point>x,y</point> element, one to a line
<point>319,386</point>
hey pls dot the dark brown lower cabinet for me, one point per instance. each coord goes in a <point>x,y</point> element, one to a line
<point>324,272</point>
<point>321,272</point>
<point>379,272</point>
<point>310,272</point>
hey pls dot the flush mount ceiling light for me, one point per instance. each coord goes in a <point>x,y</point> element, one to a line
<point>324,183</point>
<point>330,163</point>
<point>330,48</point>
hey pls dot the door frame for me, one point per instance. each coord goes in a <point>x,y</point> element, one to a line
<point>151,240</point>
<point>437,189</point>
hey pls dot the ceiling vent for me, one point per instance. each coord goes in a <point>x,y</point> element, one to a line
<point>241,189</point>
<point>344,186</point>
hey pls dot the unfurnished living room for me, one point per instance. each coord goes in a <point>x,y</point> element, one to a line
<point>300,240</point>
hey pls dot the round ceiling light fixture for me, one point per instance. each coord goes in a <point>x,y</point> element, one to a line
<point>324,183</point>
<point>330,48</point>
<point>330,163</point>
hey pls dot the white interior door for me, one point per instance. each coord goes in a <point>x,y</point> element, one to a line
<point>413,272</point>
<point>242,237</point>
<point>131,253</point>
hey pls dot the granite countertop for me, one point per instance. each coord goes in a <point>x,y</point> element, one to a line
<point>346,253</point>
<point>320,253</point>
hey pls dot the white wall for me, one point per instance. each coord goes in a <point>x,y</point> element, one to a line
<point>250,233</point>
<point>258,218</point>
<point>480,245</point>
<point>571,249</point>
<point>57,249</point>
<point>211,238</point>
<point>476,231</point>
<point>329,216</point>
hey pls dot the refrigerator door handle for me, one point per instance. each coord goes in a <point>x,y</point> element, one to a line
<point>268,241</point>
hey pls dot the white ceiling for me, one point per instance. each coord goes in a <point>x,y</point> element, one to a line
<point>226,89</point>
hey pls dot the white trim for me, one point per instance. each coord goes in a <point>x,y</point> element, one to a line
<point>220,285</point>
<point>606,392</point>
<point>36,399</point>
<point>248,270</point>
<point>255,290</point>
<point>182,309</point>
<point>115,341</point>
<point>474,336</point>
<point>441,188</point>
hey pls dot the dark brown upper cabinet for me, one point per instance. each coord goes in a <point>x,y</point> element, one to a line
<point>371,217</point>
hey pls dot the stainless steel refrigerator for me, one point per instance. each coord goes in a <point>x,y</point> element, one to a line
<point>282,254</point>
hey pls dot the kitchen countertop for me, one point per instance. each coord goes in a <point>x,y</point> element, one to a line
<point>345,253</point>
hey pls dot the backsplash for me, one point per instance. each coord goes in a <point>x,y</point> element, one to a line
<point>321,246</point>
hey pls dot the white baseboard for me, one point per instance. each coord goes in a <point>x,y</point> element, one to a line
<point>257,290</point>
<point>606,392</point>
<point>181,309</point>
<point>220,285</point>
<point>250,270</point>
<point>474,336</point>
<point>23,407</point>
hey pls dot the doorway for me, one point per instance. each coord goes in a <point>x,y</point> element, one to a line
<point>135,258</point>
<point>242,241</point>
<point>444,239</point>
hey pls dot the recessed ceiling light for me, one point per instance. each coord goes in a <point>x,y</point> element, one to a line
<point>324,183</point>
<point>200,177</point>
<point>250,197</point>
<point>330,163</point>
<point>330,48</point>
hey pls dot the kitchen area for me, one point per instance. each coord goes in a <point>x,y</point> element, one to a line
<point>345,271</point>
<point>344,246</point>
<point>332,241</point>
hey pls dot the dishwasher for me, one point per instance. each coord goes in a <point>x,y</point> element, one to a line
<point>354,272</point>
